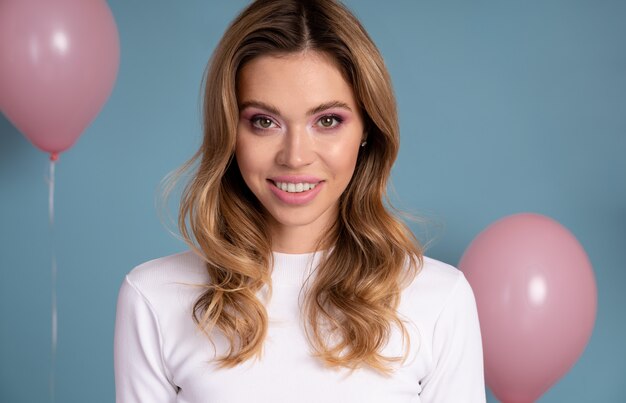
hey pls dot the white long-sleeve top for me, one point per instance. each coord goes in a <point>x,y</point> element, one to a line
<point>161,356</point>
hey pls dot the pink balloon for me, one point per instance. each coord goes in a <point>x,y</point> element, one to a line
<point>58,63</point>
<point>536,296</point>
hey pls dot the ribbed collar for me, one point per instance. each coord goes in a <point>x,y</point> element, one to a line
<point>293,269</point>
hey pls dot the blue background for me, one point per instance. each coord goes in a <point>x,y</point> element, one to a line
<point>505,107</point>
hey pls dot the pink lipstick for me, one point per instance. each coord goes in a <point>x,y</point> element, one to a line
<point>294,189</point>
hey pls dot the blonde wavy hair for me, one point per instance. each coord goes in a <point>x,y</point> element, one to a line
<point>368,255</point>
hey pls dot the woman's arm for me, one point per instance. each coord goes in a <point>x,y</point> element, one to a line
<point>458,374</point>
<point>140,371</point>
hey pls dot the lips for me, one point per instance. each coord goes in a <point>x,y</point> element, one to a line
<point>295,198</point>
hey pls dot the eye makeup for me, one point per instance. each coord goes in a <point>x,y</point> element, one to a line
<point>253,117</point>
<point>256,121</point>
<point>336,121</point>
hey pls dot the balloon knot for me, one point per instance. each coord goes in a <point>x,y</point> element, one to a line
<point>54,156</point>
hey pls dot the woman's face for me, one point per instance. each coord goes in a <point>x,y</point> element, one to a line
<point>298,140</point>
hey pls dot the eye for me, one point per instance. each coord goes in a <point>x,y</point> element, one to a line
<point>262,122</point>
<point>330,121</point>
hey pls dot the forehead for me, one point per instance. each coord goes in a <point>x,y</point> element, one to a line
<point>293,80</point>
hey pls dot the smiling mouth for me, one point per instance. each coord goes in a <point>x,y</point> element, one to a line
<point>291,187</point>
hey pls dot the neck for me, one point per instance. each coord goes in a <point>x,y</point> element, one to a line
<point>297,239</point>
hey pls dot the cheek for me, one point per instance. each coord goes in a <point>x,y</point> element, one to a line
<point>342,158</point>
<point>250,159</point>
<point>243,157</point>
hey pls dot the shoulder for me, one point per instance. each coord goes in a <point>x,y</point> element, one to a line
<point>435,276</point>
<point>167,279</point>
<point>436,285</point>
<point>179,266</point>
<point>438,271</point>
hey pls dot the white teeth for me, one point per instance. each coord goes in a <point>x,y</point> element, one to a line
<point>295,187</point>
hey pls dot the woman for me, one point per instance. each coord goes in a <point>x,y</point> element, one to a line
<point>300,286</point>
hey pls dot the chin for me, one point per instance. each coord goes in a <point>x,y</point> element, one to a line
<point>294,219</point>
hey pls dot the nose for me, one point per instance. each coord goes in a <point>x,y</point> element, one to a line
<point>296,149</point>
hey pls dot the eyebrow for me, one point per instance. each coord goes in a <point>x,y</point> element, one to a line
<point>312,111</point>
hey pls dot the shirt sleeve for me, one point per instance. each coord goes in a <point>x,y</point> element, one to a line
<point>140,372</point>
<point>458,373</point>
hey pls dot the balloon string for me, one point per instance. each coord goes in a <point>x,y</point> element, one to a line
<point>53,347</point>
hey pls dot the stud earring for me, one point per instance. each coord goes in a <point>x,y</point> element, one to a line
<point>363,144</point>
